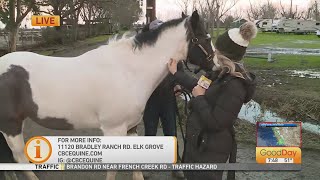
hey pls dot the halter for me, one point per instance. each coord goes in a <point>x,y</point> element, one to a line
<point>197,42</point>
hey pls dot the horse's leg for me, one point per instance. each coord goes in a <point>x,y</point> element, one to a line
<point>16,144</point>
<point>5,154</point>
<point>122,131</point>
<point>137,175</point>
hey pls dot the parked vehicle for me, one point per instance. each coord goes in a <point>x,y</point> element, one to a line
<point>298,26</point>
<point>318,33</point>
<point>268,25</point>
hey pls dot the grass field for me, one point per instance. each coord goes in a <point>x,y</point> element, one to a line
<point>284,62</point>
<point>272,39</point>
<point>48,51</point>
<point>97,39</point>
<point>310,41</point>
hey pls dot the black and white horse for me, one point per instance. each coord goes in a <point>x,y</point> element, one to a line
<point>106,88</point>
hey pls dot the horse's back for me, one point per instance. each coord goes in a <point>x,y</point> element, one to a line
<point>60,87</point>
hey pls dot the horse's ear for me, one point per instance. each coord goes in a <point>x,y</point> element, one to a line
<point>183,15</point>
<point>195,18</point>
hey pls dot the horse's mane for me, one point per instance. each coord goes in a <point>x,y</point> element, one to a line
<point>116,40</point>
<point>146,38</point>
<point>150,37</point>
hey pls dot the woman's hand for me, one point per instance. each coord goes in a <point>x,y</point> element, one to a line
<point>172,66</point>
<point>198,91</point>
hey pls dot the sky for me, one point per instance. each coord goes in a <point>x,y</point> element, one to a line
<point>169,9</point>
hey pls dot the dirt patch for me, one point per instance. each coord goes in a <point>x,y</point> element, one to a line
<point>293,98</point>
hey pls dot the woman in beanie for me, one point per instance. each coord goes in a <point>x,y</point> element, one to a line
<point>210,133</point>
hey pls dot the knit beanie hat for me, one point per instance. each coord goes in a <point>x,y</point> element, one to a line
<point>233,43</point>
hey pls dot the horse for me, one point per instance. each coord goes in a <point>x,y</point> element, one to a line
<point>105,88</point>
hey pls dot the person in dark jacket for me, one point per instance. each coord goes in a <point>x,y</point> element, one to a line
<point>209,132</point>
<point>162,104</point>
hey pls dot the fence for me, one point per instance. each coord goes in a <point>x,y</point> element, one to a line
<point>28,38</point>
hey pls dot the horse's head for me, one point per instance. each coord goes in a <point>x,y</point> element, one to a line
<point>200,49</point>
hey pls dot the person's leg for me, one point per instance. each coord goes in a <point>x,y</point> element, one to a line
<point>168,120</point>
<point>151,117</point>
<point>168,116</point>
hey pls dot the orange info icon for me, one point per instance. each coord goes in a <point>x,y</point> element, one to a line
<point>45,20</point>
<point>278,155</point>
<point>38,149</point>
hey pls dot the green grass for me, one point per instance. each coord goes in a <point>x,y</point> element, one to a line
<point>88,41</point>
<point>310,41</point>
<point>285,62</point>
<point>97,39</point>
<point>45,52</point>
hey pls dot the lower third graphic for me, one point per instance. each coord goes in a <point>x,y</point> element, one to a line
<point>38,149</point>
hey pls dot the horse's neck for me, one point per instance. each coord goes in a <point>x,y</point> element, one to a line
<point>152,61</point>
<point>147,67</point>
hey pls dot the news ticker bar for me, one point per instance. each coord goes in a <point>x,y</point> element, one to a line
<point>101,149</point>
<point>153,167</point>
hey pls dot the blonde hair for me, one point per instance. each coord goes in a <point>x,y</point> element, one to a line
<point>226,65</point>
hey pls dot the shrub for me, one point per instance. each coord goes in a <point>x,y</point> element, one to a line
<point>53,36</point>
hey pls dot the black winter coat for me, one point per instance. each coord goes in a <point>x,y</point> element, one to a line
<point>209,133</point>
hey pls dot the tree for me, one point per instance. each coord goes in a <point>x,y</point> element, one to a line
<point>253,12</point>
<point>314,11</point>
<point>125,12</point>
<point>228,21</point>
<point>291,12</point>
<point>68,10</point>
<point>184,5</point>
<point>12,13</point>
<point>222,8</point>
<point>207,11</point>
<point>213,11</point>
<point>262,11</point>
<point>268,10</point>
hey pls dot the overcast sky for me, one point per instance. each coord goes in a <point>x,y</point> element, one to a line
<point>168,9</point>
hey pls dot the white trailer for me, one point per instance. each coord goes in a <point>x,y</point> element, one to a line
<point>268,25</point>
<point>265,25</point>
<point>298,26</point>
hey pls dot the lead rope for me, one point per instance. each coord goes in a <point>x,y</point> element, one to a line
<point>232,155</point>
<point>186,95</point>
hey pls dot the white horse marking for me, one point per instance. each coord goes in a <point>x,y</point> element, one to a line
<point>16,144</point>
<point>105,88</point>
